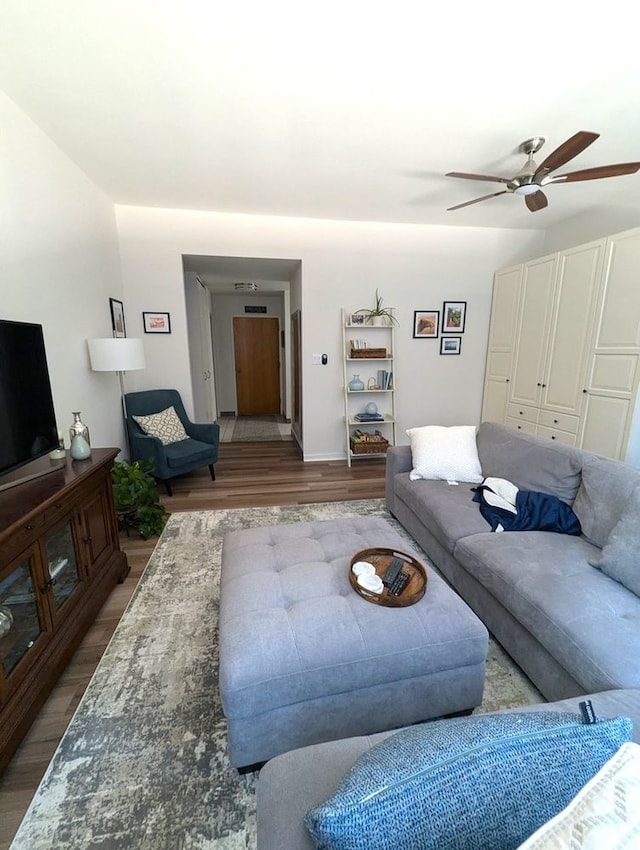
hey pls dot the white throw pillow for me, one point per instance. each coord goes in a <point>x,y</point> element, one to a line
<point>166,426</point>
<point>605,814</point>
<point>450,454</point>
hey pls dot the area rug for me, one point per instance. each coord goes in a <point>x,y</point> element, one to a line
<point>250,429</point>
<point>143,763</point>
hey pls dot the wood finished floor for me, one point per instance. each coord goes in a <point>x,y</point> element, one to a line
<point>247,475</point>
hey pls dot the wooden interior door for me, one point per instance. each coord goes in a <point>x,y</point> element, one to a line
<point>256,346</point>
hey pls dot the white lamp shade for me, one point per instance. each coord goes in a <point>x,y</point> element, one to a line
<point>116,354</point>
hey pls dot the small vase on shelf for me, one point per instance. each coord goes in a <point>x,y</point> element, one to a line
<point>80,448</point>
<point>355,384</point>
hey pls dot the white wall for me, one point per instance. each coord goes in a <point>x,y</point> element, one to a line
<point>594,223</point>
<point>60,264</point>
<point>414,267</point>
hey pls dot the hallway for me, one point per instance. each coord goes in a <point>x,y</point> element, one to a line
<point>253,429</point>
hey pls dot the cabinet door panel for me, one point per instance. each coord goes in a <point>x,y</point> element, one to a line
<point>533,331</point>
<point>494,403</point>
<point>573,307</point>
<point>22,623</point>
<point>619,325</point>
<point>614,373</point>
<point>62,564</point>
<point>504,310</point>
<point>605,425</point>
<point>97,537</point>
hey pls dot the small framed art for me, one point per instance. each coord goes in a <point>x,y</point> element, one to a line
<point>450,344</point>
<point>453,317</point>
<point>117,318</point>
<point>156,323</point>
<point>425,324</point>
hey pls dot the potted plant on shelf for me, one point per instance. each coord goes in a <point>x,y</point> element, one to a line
<point>136,497</point>
<point>379,315</point>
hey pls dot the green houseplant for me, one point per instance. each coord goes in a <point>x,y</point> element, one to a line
<point>379,315</point>
<point>135,492</point>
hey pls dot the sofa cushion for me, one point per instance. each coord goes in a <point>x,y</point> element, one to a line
<point>477,782</point>
<point>447,510</point>
<point>443,453</point>
<point>605,813</point>
<point>531,463</point>
<point>166,426</point>
<point>606,487</point>
<point>587,621</point>
<point>619,558</point>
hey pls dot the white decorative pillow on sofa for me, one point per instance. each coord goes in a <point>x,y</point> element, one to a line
<point>448,454</point>
<point>166,426</point>
<point>604,814</point>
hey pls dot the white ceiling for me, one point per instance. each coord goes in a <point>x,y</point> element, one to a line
<point>350,110</point>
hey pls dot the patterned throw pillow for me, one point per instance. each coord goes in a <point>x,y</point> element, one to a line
<point>606,812</point>
<point>485,782</point>
<point>166,426</point>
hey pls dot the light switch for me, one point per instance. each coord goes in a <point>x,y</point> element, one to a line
<point>316,359</point>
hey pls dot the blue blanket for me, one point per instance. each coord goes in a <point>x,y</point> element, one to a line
<point>533,512</point>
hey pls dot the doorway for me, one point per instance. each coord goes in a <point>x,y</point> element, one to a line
<point>256,346</point>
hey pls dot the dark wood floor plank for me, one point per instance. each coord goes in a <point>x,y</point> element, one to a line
<point>247,475</point>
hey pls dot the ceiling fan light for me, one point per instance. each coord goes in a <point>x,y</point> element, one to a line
<point>527,189</point>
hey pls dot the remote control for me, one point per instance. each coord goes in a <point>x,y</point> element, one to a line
<point>401,581</point>
<point>391,572</point>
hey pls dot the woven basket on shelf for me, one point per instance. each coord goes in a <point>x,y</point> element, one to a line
<point>367,353</point>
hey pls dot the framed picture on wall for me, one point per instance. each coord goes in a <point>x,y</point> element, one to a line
<point>450,344</point>
<point>117,318</point>
<point>425,324</point>
<point>453,317</point>
<point>156,323</point>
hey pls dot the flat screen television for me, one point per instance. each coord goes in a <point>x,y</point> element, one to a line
<point>28,429</point>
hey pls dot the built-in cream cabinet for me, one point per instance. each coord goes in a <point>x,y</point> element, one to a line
<point>569,371</point>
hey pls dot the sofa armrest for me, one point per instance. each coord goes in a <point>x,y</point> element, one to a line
<point>145,447</point>
<point>398,460</point>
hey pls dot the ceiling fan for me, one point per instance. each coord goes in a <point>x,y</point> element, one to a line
<point>532,177</point>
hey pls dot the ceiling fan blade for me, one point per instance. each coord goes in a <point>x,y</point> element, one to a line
<point>536,201</point>
<point>466,176</point>
<point>477,200</point>
<point>567,150</point>
<point>596,173</point>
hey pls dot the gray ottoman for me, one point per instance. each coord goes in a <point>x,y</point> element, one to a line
<point>305,659</point>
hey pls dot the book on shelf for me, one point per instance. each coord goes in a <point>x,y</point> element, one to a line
<point>369,417</point>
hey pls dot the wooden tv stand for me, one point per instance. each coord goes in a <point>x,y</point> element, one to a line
<point>59,560</point>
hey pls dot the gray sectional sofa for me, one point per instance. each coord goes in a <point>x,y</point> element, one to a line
<point>571,627</point>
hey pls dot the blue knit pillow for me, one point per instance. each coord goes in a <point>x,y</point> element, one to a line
<point>484,783</point>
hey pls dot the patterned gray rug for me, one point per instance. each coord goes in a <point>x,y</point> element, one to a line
<point>251,429</point>
<point>143,763</point>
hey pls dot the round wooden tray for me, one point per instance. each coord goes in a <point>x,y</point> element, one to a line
<point>381,558</point>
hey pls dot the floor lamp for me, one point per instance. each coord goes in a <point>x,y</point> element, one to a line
<point>117,354</point>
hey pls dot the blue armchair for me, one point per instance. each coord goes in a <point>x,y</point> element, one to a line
<point>178,457</point>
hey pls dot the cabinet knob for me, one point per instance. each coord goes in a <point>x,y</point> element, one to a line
<point>584,391</point>
<point>555,421</point>
<point>552,437</point>
<point>28,528</point>
<point>520,412</point>
<point>538,384</point>
<point>544,385</point>
<point>58,505</point>
<point>507,380</point>
<point>519,427</point>
<point>87,540</point>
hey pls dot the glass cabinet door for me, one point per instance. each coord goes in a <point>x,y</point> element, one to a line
<point>20,623</point>
<point>62,564</point>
